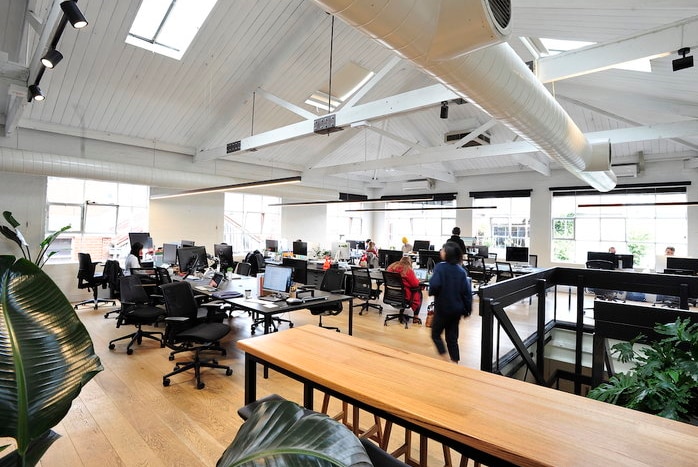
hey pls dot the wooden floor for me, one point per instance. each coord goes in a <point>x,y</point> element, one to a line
<point>125,417</point>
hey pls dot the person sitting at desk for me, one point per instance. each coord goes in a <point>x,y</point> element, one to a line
<point>413,289</point>
<point>669,251</point>
<point>132,260</point>
<point>406,246</point>
<point>612,250</point>
<point>371,248</point>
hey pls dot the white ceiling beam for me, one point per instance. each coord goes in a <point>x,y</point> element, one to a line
<point>286,104</point>
<point>12,73</point>
<point>441,154</point>
<point>414,145</point>
<point>691,163</point>
<point>475,133</point>
<point>533,162</point>
<point>335,141</point>
<point>405,102</point>
<point>431,171</point>
<point>591,59</point>
<point>34,21</point>
<point>371,83</point>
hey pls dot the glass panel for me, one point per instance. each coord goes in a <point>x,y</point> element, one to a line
<point>65,190</point>
<point>101,192</point>
<point>100,219</point>
<point>60,215</point>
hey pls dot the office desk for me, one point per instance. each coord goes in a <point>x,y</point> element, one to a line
<point>267,311</point>
<point>522,271</point>
<point>491,418</point>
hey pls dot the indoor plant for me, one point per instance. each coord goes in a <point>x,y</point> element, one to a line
<point>664,379</point>
<point>280,433</point>
<point>13,233</point>
<point>46,357</point>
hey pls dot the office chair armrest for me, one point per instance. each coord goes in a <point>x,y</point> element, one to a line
<point>303,288</point>
<point>338,291</point>
<point>124,302</point>
<point>214,304</point>
<point>179,319</point>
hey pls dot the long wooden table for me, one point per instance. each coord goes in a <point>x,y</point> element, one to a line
<point>491,418</point>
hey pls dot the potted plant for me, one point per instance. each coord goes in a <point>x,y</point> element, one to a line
<point>664,378</point>
<point>13,233</point>
<point>46,357</point>
<point>280,433</point>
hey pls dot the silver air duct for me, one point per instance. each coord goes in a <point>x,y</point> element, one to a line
<point>459,42</point>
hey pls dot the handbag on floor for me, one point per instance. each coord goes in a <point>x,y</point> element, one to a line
<point>430,315</point>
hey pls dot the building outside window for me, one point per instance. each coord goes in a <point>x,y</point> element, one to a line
<point>344,225</point>
<point>506,223</point>
<point>643,231</point>
<point>432,225</point>
<point>101,215</point>
<point>250,220</point>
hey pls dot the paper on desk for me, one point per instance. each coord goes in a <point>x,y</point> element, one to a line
<point>270,305</point>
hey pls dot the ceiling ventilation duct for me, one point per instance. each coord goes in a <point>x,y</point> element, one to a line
<point>460,43</point>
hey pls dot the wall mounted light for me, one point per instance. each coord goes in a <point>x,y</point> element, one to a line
<point>444,110</point>
<point>51,58</point>
<point>35,93</point>
<point>683,62</point>
<point>75,16</point>
<point>238,186</point>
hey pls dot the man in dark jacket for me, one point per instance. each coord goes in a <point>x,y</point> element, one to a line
<point>455,238</point>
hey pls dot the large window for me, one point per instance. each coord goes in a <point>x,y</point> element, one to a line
<point>507,221</point>
<point>101,214</point>
<point>644,231</point>
<point>432,225</point>
<point>344,225</point>
<point>249,221</point>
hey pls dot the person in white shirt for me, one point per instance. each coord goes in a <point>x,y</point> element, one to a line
<point>406,247</point>
<point>132,260</point>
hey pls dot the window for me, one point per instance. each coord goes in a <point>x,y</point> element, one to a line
<point>434,226</point>
<point>168,27</point>
<point>506,224</point>
<point>101,215</point>
<point>342,225</point>
<point>249,221</point>
<point>643,231</point>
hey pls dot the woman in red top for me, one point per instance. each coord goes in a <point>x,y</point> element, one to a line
<point>413,289</point>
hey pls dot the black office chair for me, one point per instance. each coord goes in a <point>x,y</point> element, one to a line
<point>332,281</point>
<point>137,309</point>
<point>504,271</point>
<point>478,271</point>
<point>113,273</point>
<point>243,268</point>
<point>394,295</point>
<point>90,280</point>
<point>533,261</point>
<point>184,333</point>
<point>362,288</point>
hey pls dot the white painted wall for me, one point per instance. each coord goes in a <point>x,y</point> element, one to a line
<point>198,218</point>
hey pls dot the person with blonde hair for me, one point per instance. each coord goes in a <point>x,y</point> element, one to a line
<point>406,247</point>
<point>413,289</point>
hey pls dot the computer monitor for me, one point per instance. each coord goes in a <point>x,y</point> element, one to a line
<point>360,245</point>
<point>388,257</point>
<point>480,250</point>
<point>420,245</point>
<point>468,240</point>
<point>300,248</point>
<point>224,253</point>
<point>300,269</point>
<point>271,245</point>
<point>625,261</point>
<point>425,255</point>
<point>169,253</point>
<point>603,256</point>
<point>352,244</point>
<point>517,254</point>
<point>187,243</point>
<point>141,237</point>
<point>686,264</point>
<point>192,258</point>
<point>277,279</point>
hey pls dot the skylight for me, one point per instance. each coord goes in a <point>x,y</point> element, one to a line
<point>168,27</point>
<point>345,83</point>
<point>556,46</point>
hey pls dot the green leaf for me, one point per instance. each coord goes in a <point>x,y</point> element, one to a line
<point>10,220</point>
<point>46,354</point>
<point>279,434</point>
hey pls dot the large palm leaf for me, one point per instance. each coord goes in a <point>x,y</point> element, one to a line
<point>279,434</point>
<point>46,354</point>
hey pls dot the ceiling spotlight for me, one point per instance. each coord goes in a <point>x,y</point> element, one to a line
<point>35,93</point>
<point>683,62</point>
<point>51,58</point>
<point>444,109</point>
<point>71,10</point>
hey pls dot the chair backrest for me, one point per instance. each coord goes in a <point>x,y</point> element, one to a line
<point>492,256</point>
<point>362,285</point>
<point>599,264</point>
<point>394,290</point>
<point>533,260</point>
<point>256,262</point>
<point>113,273</point>
<point>132,290</point>
<point>162,276</point>
<point>86,269</point>
<point>243,268</point>
<point>179,303</point>
<point>504,270</point>
<point>333,279</point>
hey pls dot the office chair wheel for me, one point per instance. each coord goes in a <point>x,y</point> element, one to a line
<point>215,362</point>
<point>228,372</point>
<point>112,346</point>
<point>200,386</point>
<point>290,325</point>
<point>106,315</point>
<point>337,330</point>
<point>165,382</point>
<point>129,351</point>
<point>162,344</point>
<point>385,323</point>
<point>171,357</point>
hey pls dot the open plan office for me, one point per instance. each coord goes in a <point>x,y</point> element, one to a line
<point>234,196</point>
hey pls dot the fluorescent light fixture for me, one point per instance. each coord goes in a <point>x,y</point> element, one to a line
<point>239,186</point>
<point>73,13</point>
<point>168,27</point>
<point>384,199</point>
<point>51,58</point>
<point>35,93</point>
<point>620,205</point>
<point>445,208</point>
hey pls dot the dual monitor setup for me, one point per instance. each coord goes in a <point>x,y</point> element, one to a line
<point>299,248</point>
<point>617,261</point>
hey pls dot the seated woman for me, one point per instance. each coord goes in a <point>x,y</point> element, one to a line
<point>413,289</point>
<point>132,260</point>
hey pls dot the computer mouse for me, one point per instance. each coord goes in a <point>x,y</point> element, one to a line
<point>292,301</point>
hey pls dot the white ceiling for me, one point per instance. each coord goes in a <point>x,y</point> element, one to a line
<point>106,89</point>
